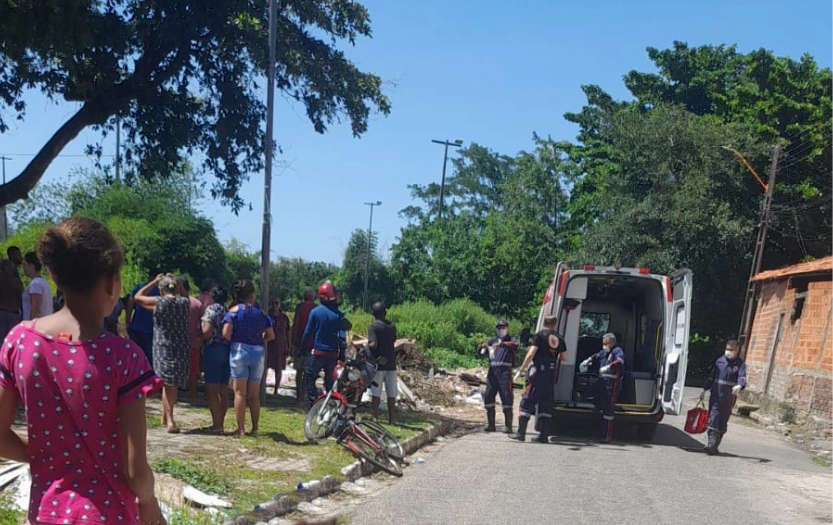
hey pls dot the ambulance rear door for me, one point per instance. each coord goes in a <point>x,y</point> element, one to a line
<point>677,329</point>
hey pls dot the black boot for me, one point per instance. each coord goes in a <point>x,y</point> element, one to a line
<point>711,447</point>
<point>544,431</point>
<point>521,435</point>
<point>507,418</point>
<point>717,443</point>
<point>490,417</point>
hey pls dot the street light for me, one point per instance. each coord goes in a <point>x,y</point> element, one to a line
<point>367,259</point>
<point>456,143</point>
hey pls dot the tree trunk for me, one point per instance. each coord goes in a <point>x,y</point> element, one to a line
<point>19,187</point>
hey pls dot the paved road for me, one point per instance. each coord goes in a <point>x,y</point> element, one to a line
<point>486,478</point>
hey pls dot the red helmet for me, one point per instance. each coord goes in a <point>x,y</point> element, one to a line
<point>327,292</point>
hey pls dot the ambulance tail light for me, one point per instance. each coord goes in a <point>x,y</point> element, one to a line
<point>644,271</point>
<point>563,284</point>
<point>589,268</point>
<point>669,293</point>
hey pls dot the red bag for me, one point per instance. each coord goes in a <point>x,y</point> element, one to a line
<point>697,420</point>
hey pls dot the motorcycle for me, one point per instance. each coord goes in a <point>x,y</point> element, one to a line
<point>332,408</point>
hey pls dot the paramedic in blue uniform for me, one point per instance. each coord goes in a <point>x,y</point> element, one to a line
<point>501,353</point>
<point>547,348</point>
<point>727,379</point>
<point>611,362</point>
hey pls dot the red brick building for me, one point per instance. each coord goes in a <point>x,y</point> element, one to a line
<point>790,351</point>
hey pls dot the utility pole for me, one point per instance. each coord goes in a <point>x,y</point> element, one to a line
<point>455,144</point>
<point>757,258</point>
<point>367,259</point>
<point>3,159</point>
<point>267,179</point>
<point>118,147</point>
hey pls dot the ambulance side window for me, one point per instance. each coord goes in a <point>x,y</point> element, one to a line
<point>593,324</point>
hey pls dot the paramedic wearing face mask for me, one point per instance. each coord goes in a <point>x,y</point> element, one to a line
<point>501,352</point>
<point>611,361</point>
<point>727,379</point>
<point>547,348</point>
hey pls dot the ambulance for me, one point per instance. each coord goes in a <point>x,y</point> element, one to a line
<point>649,314</point>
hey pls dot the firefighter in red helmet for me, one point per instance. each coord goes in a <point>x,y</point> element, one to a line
<point>324,325</point>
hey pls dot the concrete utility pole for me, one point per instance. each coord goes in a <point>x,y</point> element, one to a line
<point>3,159</point>
<point>267,179</point>
<point>455,144</point>
<point>367,258</point>
<point>118,147</point>
<point>757,258</point>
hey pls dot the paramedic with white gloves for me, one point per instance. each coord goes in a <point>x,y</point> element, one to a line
<point>727,379</point>
<point>611,360</point>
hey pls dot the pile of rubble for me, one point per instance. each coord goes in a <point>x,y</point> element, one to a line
<point>423,386</point>
<point>441,388</point>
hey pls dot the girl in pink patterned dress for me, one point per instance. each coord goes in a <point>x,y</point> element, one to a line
<point>84,391</point>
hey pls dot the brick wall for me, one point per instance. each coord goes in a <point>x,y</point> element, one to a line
<point>800,369</point>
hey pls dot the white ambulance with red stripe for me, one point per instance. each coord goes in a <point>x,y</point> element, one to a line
<point>650,316</point>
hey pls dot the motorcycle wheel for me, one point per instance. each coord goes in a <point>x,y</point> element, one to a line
<point>321,419</point>
<point>379,458</point>
<point>384,438</point>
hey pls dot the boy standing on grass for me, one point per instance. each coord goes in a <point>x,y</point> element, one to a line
<point>381,336</point>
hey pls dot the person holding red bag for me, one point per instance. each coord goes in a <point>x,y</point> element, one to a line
<point>727,379</point>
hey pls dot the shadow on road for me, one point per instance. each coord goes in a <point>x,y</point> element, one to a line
<point>578,435</point>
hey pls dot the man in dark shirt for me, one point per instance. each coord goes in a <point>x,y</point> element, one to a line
<point>381,336</point>
<point>546,350</point>
<point>11,292</point>
<point>301,349</point>
<point>501,352</point>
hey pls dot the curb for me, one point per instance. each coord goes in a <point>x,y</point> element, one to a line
<point>284,503</point>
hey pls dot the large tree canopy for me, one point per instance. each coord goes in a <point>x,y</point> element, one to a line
<point>646,182</point>
<point>181,75</point>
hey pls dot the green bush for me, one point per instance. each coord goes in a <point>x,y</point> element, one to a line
<point>447,333</point>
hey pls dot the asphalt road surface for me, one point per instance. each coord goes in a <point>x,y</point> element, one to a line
<point>486,478</point>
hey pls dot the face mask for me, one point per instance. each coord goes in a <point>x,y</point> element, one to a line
<point>729,354</point>
<point>502,332</point>
<point>606,348</point>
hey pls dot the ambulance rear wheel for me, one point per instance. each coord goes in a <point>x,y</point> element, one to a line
<point>646,432</point>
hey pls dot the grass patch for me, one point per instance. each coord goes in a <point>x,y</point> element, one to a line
<point>9,515</point>
<point>154,421</point>
<point>194,474</point>
<point>822,462</point>
<point>193,517</point>
<point>251,470</point>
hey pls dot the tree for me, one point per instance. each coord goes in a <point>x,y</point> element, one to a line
<point>675,202</point>
<point>499,236</point>
<point>777,99</point>
<point>350,277</point>
<point>290,276</point>
<point>181,76</point>
<point>242,264</point>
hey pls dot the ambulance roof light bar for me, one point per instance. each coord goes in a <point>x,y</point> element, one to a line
<point>589,268</point>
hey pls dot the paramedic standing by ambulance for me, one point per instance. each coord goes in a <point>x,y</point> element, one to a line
<point>611,361</point>
<point>727,379</point>
<point>501,351</point>
<point>547,348</point>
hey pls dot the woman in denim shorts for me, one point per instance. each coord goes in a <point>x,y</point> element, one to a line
<point>248,329</point>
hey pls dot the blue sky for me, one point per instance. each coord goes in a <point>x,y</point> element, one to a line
<point>482,70</point>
